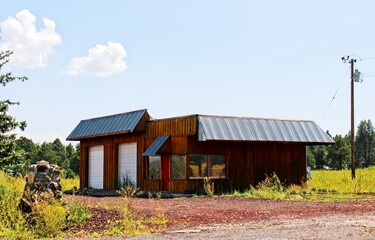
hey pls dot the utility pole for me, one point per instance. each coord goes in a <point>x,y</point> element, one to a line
<point>352,142</point>
<point>352,135</point>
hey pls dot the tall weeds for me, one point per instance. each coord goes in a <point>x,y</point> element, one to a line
<point>47,217</point>
<point>12,222</point>
<point>209,186</point>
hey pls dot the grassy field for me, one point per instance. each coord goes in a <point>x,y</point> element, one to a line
<point>69,184</point>
<point>341,181</point>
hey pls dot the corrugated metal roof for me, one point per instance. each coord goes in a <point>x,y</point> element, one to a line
<point>119,123</point>
<point>155,146</point>
<point>254,129</point>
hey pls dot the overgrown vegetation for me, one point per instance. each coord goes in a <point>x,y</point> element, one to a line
<point>133,225</point>
<point>78,214</point>
<point>48,217</point>
<point>324,186</point>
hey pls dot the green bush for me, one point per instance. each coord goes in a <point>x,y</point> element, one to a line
<point>78,214</point>
<point>53,217</point>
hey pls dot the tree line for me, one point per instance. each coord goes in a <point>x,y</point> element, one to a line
<point>338,156</point>
<point>67,157</point>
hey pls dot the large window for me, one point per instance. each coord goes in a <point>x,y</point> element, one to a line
<point>207,166</point>
<point>178,166</point>
<point>217,166</point>
<point>198,165</point>
<point>154,167</point>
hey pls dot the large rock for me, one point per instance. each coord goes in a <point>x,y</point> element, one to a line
<point>41,178</point>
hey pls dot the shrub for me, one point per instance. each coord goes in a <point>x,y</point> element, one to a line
<point>47,215</point>
<point>129,225</point>
<point>272,183</point>
<point>128,188</point>
<point>53,220</point>
<point>159,218</point>
<point>78,214</point>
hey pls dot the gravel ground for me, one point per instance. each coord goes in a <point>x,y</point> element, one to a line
<point>338,226</point>
<point>239,218</point>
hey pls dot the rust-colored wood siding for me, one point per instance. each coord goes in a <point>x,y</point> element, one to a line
<point>183,126</point>
<point>111,158</point>
<point>248,162</point>
<point>141,126</point>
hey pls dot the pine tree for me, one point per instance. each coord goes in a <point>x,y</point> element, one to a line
<point>364,144</point>
<point>11,160</point>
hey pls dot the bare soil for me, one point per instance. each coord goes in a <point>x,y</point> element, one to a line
<point>240,218</point>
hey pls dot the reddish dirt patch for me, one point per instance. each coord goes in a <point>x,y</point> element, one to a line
<point>191,212</point>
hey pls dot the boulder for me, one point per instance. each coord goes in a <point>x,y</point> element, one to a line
<point>41,178</point>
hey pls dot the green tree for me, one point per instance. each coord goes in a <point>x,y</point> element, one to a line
<point>47,153</point>
<point>29,147</point>
<point>311,162</point>
<point>317,156</point>
<point>11,160</point>
<point>60,153</point>
<point>364,144</point>
<point>339,154</point>
<point>72,154</point>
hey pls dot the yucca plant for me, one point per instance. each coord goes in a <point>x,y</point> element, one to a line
<point>209,186</point>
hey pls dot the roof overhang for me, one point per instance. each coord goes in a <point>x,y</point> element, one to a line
<point>155,146</point>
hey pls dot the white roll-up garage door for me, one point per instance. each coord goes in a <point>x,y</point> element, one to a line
<point>96,166</point>
<point>127,162</point>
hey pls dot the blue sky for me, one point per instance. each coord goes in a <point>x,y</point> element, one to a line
<point>271,59</point>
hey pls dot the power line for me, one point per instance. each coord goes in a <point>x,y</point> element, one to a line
<point>334,96</point>
<point>364,59</point>
<point>359,58</point>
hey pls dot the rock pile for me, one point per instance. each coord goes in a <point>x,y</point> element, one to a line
<point>41,178</point>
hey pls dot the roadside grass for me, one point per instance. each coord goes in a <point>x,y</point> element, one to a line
<point>325,186</point>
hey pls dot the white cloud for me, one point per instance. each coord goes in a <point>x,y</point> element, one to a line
<point>31,47</point>
<point>102,60</point>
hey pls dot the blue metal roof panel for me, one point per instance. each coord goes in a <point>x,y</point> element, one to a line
<point>253,129</point>
<point>155,146</point>
<point>119,123</point>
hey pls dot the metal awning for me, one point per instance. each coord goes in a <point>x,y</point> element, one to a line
<point>155,146</point>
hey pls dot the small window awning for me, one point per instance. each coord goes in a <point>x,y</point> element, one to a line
<point>155,146</point>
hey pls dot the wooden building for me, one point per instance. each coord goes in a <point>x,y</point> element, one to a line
<point>175,154</point>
